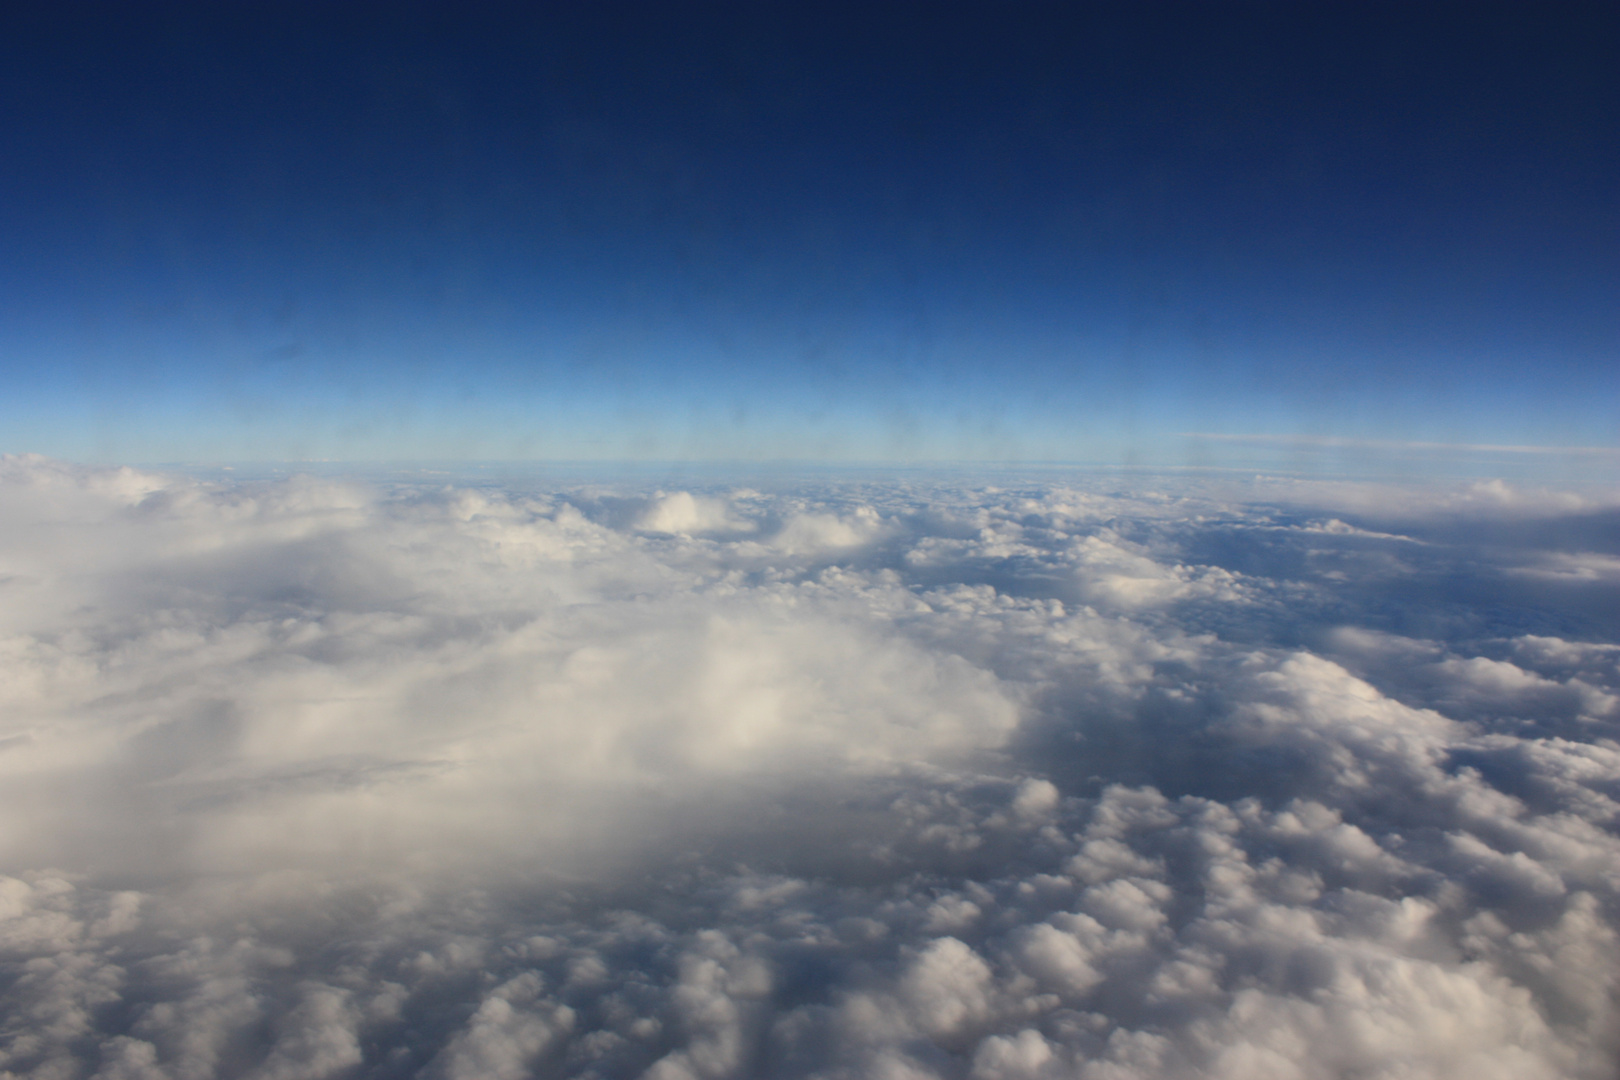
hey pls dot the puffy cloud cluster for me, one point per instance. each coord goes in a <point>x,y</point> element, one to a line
<point>930,777</point>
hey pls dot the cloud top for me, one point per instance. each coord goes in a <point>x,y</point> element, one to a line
<point>316,778</point>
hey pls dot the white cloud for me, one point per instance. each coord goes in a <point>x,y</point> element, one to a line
<point>1115,573</point>
<point>810,533</point>
<point>1573,567</point>
<point>687,514</point>
<point>314,779</point>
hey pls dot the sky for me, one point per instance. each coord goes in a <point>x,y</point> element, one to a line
<point>1336,236</point>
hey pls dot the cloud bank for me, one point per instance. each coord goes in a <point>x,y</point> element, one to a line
<point>926,777</point>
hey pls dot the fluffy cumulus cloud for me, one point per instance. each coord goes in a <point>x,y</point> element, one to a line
<point>839,777</point>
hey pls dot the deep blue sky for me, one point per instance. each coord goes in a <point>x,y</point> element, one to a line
<point>1071,232</point>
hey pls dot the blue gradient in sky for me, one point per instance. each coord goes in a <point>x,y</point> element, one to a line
<point>914,232</point>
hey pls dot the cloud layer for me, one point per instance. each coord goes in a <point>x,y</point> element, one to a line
<point>933,777</point>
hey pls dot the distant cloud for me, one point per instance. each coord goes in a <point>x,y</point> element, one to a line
<point>311,778</point>
<point>1331,442</point>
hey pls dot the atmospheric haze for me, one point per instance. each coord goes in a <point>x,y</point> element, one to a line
<point>1011,775</point>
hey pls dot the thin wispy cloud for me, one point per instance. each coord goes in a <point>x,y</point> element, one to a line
<point>1332,442</point>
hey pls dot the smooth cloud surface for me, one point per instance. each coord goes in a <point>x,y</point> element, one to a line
<point>923,778</point>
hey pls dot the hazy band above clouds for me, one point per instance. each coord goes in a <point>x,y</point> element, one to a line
<point>930,776</point>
